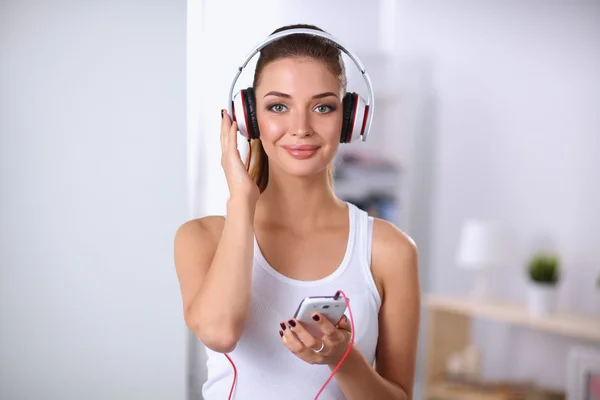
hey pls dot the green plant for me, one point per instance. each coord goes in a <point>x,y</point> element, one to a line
<point>544,268</point>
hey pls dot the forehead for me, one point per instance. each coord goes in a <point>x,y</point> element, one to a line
<point>299,77</point>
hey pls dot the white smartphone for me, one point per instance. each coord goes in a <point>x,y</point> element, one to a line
<point>330,306</point>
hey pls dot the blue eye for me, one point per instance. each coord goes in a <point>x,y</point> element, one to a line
<point>324,108</point>
<point>277,108</point>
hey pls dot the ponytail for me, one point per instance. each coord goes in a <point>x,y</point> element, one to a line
<point>259,168</point>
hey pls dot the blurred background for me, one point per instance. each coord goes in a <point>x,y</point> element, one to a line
<point>484,149</point>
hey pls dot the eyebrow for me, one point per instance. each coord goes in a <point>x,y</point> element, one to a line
<point>287,96</point>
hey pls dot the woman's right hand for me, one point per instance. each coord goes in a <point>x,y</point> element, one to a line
<point>241,186</point>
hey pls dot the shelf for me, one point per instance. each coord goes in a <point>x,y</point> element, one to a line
<point>561,323</point>
<point>452,391</point>
<point>443,391</point>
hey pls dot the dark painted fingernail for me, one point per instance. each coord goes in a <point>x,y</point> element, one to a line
<point>292,323</point>
<point>281,333</point>
<point>282,326</point>
<point>221,113</point>
<point>316,317</point>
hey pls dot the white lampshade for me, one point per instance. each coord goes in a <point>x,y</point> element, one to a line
<point>481,245</point>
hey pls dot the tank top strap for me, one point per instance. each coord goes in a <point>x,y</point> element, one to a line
<point>362,235</point>
<point>369,242</point>
<point>363,250</point>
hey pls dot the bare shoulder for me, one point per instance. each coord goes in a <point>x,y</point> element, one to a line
<point>390,243</point>
<point>390,238</point>
<point>203,230</point>
<point>196,242</point>
<point>394,254</point>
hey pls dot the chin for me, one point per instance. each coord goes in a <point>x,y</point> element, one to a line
<point>305,171</point>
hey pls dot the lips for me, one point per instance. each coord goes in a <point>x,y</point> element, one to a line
<point>301,151</point>
<point>301,147</point>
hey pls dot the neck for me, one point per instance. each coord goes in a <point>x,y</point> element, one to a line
<point>298,202</point>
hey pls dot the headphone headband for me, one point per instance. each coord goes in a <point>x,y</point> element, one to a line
<point>312,32</point>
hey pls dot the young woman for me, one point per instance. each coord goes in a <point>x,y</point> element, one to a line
<point>286,236</point>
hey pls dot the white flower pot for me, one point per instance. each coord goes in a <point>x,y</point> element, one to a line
<point>542,299</point>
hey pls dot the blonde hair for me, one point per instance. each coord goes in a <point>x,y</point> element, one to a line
<point>300,45</point>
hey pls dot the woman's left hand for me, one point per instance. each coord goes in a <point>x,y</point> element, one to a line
<point>305,346</point>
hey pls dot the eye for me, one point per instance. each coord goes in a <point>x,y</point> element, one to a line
<point>277,108</point>
<point>324,108</point>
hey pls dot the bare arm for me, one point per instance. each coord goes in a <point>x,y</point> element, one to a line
<point>213,256</point>
<point>213,259</point>
<point>394,264</point>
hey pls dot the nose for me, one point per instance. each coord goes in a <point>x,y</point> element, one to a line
<point>301,126</point>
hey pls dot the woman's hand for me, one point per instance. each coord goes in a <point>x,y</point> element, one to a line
<point>305,346</point>
<point>241,186</point>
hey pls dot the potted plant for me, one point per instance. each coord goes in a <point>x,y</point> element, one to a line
<point>544,275</point>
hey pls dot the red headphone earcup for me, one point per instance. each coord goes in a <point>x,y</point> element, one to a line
<point>244,111</point>
<point>252,120</point>
<point>359,119</point>
<point>354,119</point>
<point>347,112</point>
<point>239,114</point>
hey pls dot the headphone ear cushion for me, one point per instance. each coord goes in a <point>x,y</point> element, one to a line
<point>250,102</point>
<point>349,105</point>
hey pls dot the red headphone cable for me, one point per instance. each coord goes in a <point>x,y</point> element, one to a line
<point>350,345</point>
<point>234,376</point>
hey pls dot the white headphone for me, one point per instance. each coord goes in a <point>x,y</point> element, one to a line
<point>357,113</point>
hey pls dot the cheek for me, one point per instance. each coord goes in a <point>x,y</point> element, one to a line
<point>271,129</point>
<point>329,129</point>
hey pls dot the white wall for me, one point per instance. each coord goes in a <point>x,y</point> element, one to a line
<point>92,183</point>
<point>517,95</point>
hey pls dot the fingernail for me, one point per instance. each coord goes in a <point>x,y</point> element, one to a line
<point>221,113</point>
<point>292,323</point>
<point>282,326</point>
<point>281,333</point>
<point>315,317</point>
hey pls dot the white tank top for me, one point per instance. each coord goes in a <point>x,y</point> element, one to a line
<point>266,368</point>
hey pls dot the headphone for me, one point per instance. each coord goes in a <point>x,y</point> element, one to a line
<point>357,113</point>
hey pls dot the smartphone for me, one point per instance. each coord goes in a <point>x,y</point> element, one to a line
<point>331,307</point>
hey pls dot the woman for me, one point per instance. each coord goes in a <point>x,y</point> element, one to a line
<point>287,236</point>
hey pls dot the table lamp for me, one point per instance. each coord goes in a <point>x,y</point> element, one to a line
<point>481,247</point>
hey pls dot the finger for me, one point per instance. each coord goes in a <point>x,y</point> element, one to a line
<point>344,323</point>
<point>304,335</point>
<point>290,341</point>
<point>324,324</point>
<point>224,129</point>
<point>232,140</point>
